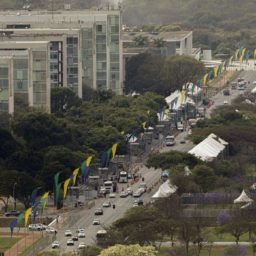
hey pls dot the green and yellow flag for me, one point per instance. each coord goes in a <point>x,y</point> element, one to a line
<point>215,72</point>
<point>236,54</point>
<point>205,79</point>
<point>20,218</point>
<point>183,95</point>
<point>114,147</point>
<point>242,56</point>
<point>27,214</point>
<point>75,173</point>
<point>88,161</point>
<point>144,125</point>
<point>44,198</point>
<point>65,187</point>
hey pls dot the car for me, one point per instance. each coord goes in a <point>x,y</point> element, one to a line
<point>81,235</point>
<point>101,233</point>
<point>140,202</point>
<point>80,230</point>
<point>169,140</point>
<point>37,227</point>
<point>180,126</point>
<point>112,195</point>
<point>226,92</point>
<point>70,242</point>
<point>68,233</point>
<point>98,211</point>
<point>254,82</point>
<point>96,222</point>
<point>138,192</point>
<point>143,186</point>
<point>50,230</point>
<point>106,204</point>
<point>135,204</point>
<point>12,213</point>
<point>129,191</point>
<point>75,238</point>
<point>182,141</point>
<point>81,245</point>
<point>225,102</point>
<point>124,194</point>
<point>55,244</point>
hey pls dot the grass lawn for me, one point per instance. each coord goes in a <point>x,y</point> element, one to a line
<point>7,242</point>
<point>216,251</point>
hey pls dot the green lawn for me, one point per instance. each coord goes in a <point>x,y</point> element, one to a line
<point>216,251</point>
<point>7,242</point>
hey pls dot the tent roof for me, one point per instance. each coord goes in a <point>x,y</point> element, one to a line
<point>243,198</point>
<point>177,95</point>
<point>165,190</point>
<point>209,148</point>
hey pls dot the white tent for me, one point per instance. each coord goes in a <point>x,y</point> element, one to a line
<point>253,90</point>
<point>243,198</point>
<point>191,91</point>
<point>165,190</point>
<point>209,148</point>
<point>175,100</point>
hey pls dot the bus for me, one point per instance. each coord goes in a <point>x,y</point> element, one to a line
<point>108,186</point>
<point>123,177</point>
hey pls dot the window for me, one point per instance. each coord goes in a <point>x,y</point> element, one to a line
<point>99,28</point>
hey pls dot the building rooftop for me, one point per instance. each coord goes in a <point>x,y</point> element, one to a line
<point>22,17</point>
<point>168,36</point>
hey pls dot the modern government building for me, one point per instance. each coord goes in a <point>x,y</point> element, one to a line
<point>40,50</point>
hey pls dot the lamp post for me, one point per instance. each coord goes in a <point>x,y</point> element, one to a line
<point>13,195</point>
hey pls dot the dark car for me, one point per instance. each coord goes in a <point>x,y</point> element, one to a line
<point>12,213</point>
<point>226,92</point>
<point>98,211</point>
<point>75,238</point>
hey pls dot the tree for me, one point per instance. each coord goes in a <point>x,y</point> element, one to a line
<point>141,41</point>
<point>204,177</point>
<point>8,144</point>
<point>129,250</point>
<point>90,251</point>
<point>40,130</point>
<point>62,100</point>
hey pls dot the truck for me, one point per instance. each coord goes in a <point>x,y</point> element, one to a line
<point>123,177</point>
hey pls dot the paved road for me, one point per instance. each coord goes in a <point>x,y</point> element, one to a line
<point>85,217</point>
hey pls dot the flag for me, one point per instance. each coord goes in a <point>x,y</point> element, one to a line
<point>109,154</point>
<point>236,54</point>
<point>222,67</point>
<point>56,179</point>
<point>230,60</point>
<point>148,112</point>
<point>83,167</point>
<point>20,218</point>
<point>242,56</point>
<point>114,148</point>
<point>65,187</point>
<point>215,71</point>
<point>71,180</point>
<point>247,56</point>
<point>183,94</point>
<point>44,199</point>
<point>199,83</point>
<point>34,208</point>
<point>172,104</point>
<point>193,88</point>
<point>75,173</point>
<point>12,225</point>
<point>34,195</point>
<point>88,161</point>
<point>58,192</point>
<point>254,55</point>
<point>104,159</point>
<point>205,79</point>
<point>144,125</point>
<point>27,214</point>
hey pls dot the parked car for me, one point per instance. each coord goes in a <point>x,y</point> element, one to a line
<point>180,126</point>
<point>226,92</point>
<point>169,140</point>
<point>129,191</point>
<point>106,204</point>
<point>80,230</point>
<point>96,222</point>
<point>68,233</point>
<point>98,211</point>
<point>112,195</point>
<point>75,238</point>
<point>124,194</point>
<point>37,227</point>
<point>70,242</point>
<point>12,213</point>
<point>55,244</point>
<point>81,245</point>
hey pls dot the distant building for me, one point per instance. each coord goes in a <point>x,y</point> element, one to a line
<point>84,49</point>
<point>160,43</point>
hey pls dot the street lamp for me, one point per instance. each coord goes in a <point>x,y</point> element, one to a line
<point>13,195</point>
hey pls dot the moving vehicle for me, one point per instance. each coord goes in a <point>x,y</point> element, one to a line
<point>80,230</point>
<point>226,92</point>
<point>112,195</point>
<point>98,211</point>
<point>68,233</point>
<point>75,238</point>
<point>143,186</point>
<point>169,140</point>
<point>180,126</point>
<point>101,233</point>
<point>225,102</point>
<point>138,192</point>
<point>81,235</point>
<point>108,185</point>
<point>37,227</point>
<point>81,245</point>
<point>12,213</point>
<point>70,242</point>
<point>164,175</point>
<point>50,230</point>
<point>192,122</point>
<point>106,204</point>
<point>96,222</point>
<point>123,177</point>
<point>129,191</point>
<point>55,244</point>
<point>124,194</point>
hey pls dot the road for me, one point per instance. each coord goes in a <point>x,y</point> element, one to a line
<point>84,218</point>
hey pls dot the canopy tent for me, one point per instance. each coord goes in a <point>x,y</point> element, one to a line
<point>165,190</point>
<point>253,90</point>
<point>209,148</point>
<point>175,100</point>
<point>193,90</point>
<point>243,198</point>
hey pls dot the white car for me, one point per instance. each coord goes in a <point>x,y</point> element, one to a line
<point>50,230</point>
<point>112,195</point>
<point>96,222</point>
<point>169,140</point>
<point>68,233</point>
<point>37,227</point>
<point>124,194</point>
<point>70,242</point>
<point>81,245</point>
<point>225,102</point>
<point>80,230</point>
<point>129,191</point>
<point>81,234</point>
<point>55,244</point>
<point>254,82</point>
<point>106,204</point>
